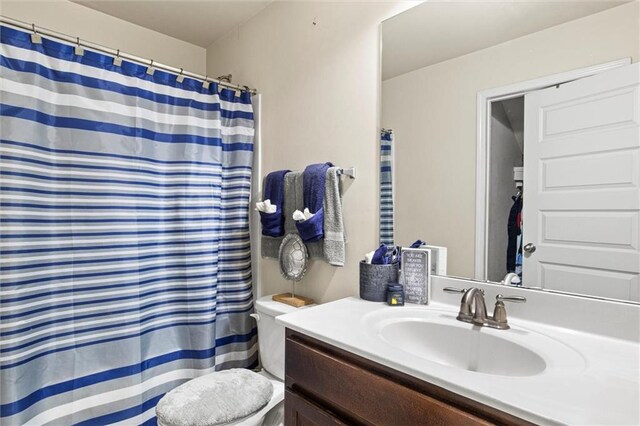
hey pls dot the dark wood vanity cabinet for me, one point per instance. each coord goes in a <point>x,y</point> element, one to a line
<point>326,385</point>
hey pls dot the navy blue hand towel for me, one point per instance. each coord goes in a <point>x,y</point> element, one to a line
<point>313,184</point>
<point>380,256</point>
<point>273,223</point>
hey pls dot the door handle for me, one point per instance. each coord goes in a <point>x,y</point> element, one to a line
<point>529,248</point>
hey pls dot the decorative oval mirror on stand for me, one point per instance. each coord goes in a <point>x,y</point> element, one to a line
<point>293,257</point>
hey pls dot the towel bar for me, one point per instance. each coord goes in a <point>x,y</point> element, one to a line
<point>349,171</point>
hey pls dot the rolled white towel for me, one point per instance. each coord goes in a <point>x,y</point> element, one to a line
<point>266,206</point>
<point>299,216</point>
<point>369,256</point>
<point>270,208</point>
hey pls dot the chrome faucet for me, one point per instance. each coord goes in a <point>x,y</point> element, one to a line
<point>509,278</point>
<point>473,308</point>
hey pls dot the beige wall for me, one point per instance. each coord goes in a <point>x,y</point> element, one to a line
<point>433,114</point>
<point>97,27</point>
<point>319,88</point>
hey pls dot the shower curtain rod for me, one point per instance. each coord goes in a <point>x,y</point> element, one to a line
<point>118,53</point>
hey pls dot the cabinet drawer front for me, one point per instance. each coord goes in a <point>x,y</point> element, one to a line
<point>301,412</point>
<point>363,396</point>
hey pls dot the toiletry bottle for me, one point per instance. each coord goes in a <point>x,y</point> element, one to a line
<point>395,294</point>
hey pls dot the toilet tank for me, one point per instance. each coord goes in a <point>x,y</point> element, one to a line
<point>271,335</point>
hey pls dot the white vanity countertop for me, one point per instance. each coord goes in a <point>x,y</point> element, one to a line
<point>601,387</point>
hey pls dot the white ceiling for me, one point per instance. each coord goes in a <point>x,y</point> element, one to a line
<point>200,22</point>
<point>441,30</point>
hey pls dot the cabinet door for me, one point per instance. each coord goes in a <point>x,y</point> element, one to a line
<point>302,412</point>
<point>362,396</point>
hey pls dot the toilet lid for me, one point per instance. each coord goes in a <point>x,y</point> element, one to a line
<point>215,399</point>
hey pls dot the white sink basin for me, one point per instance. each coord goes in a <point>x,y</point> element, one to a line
<point>436,336</point>
<point>463,348</point>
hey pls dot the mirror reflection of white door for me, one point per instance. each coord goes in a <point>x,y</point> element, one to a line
<point>582,186</point>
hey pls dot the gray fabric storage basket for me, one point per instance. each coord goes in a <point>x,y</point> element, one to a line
<point>374,280</point>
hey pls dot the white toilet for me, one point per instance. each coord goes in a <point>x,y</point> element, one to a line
<point>271,342</point>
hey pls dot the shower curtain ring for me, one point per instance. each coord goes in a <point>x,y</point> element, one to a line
<point>151,70</point>
<point>180,77</point>
<point>117,61</point>
<point>35,37</point>
<point>78,50</point>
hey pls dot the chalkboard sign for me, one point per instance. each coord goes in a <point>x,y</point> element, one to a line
<point>416,274</point>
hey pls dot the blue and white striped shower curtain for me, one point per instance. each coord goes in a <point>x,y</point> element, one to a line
<point>386,187</point>
<point>124,244</point>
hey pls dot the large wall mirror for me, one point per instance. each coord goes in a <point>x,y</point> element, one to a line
<point>517,140</point>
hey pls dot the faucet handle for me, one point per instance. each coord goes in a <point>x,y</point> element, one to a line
<point>460,290</point>
<point>515,299</point>
<point>454,290</point>
<point>499,319</point>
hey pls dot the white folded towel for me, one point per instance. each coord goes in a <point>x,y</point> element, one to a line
<point>369,256</point>
<point>299,216</point>
<point>266,206</point>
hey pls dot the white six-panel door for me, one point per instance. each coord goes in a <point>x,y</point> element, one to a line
<point>582,186</point>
